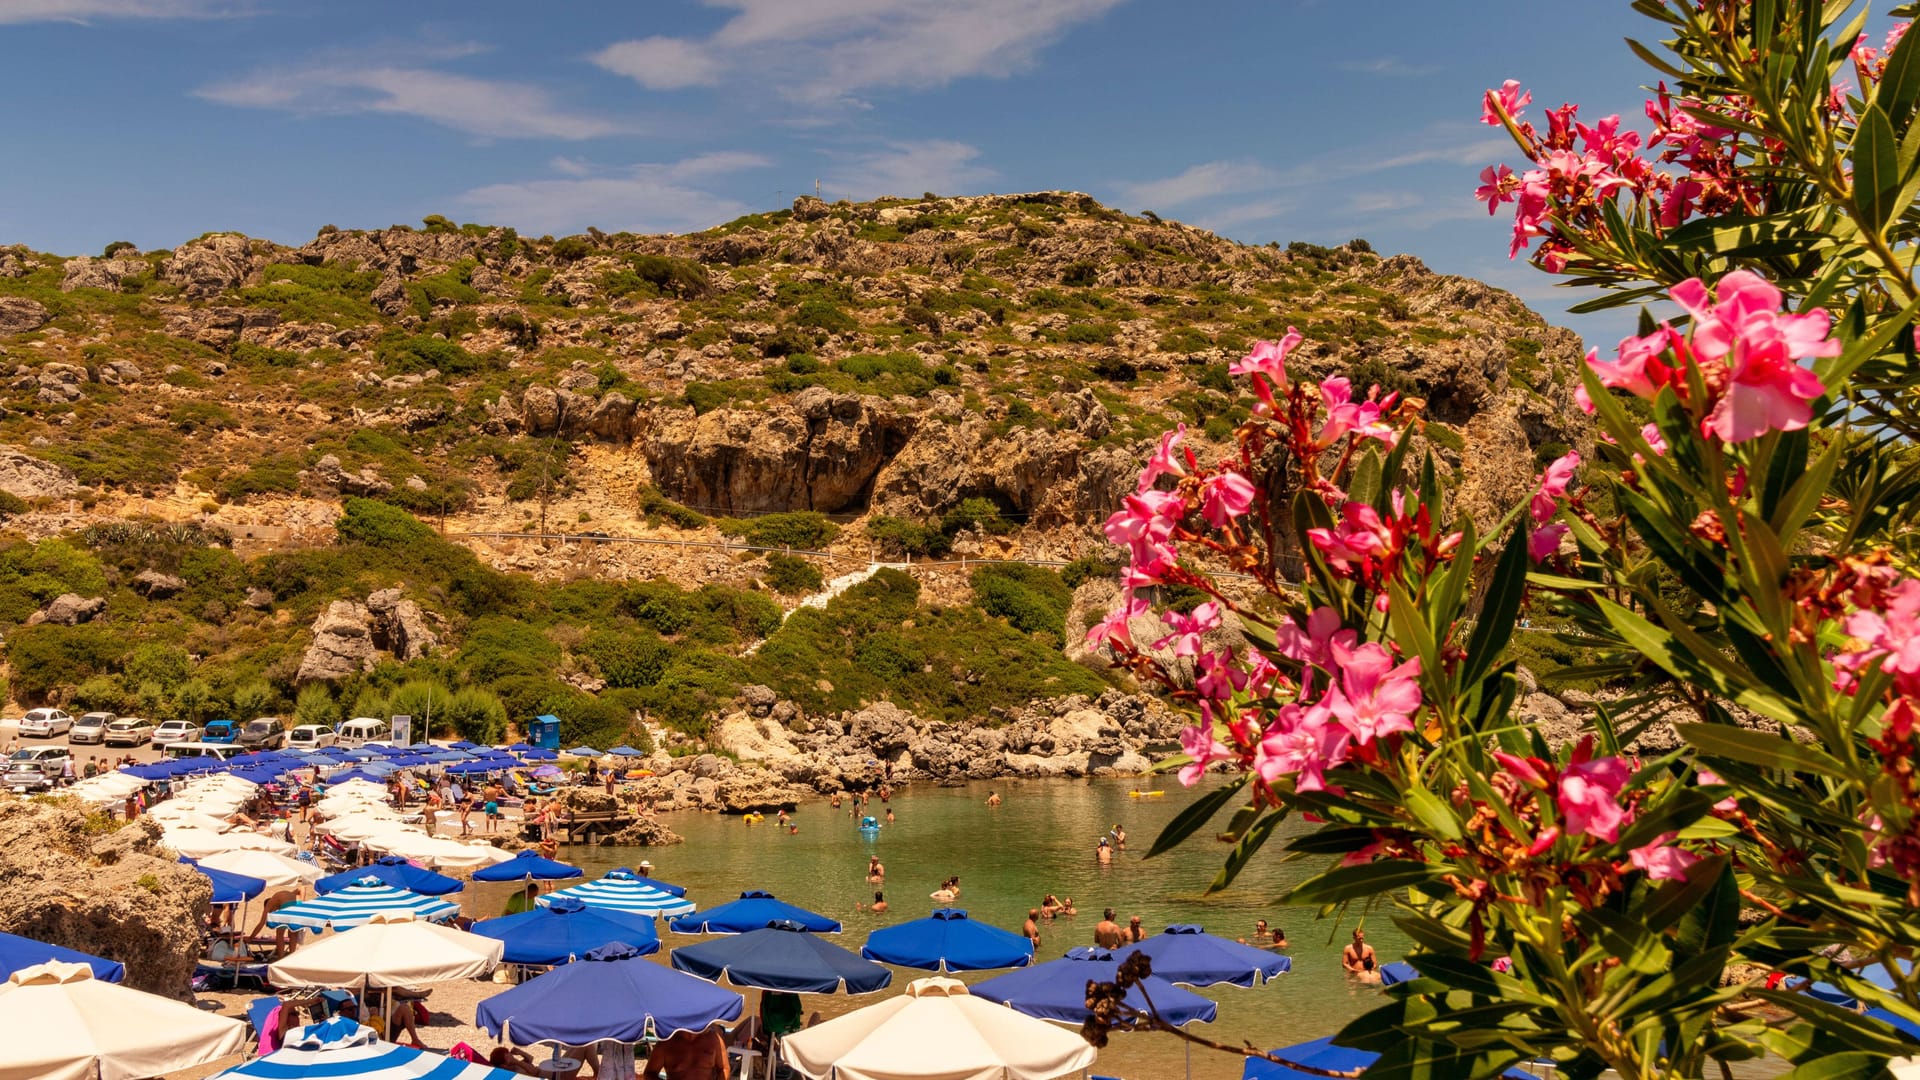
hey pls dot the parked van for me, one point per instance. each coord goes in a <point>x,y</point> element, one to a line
<point>223,751</point>
<point>362,730</point>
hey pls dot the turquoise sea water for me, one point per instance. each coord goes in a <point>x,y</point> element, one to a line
<point>1040,840</point>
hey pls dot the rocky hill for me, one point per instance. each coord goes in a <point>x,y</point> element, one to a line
<point>903,378</point>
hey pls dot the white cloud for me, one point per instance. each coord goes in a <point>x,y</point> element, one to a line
<point>1383,202</point>
<point>1202,181</point>
<point>907,169</point>
<point>661,63</point>
<point>568,166</point>
<point>485,107</point>
<point>639,198</point>
<point>1251,213</point>
<point>827,51</point>
<point>82,11</point>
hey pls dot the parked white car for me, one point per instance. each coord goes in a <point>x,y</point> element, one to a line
<point>128,731</point>
<point>46,723</point>
<point>90,727</point>
<point>26,779</point>
<point>311,737</point>
<point>365,731</point>
<point>174,731</point>
<point>51,760</point>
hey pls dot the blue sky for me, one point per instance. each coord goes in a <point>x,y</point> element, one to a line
<point>157,120</point>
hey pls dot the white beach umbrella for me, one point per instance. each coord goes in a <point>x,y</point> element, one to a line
<point>63,1024</point>
<point>278,871</point>
<point>357,786</point>
<point>977,1040</point>
<point>341,1048</point>
<point>392,950</point>
<point>439,852</point>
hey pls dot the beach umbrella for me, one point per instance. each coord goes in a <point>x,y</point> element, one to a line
<point>391,950</point>
<point>624,750</point>
<point>228,887</point>
<point>558,932</point>
<point>520,748</point>
<point>784,956</point>
<point>622,890</point>
<point>1190,956</point>
<point>438,851</point>
<point>1895,1021</point>
<point>754,910</point>
<point>278,871</point>
<point>1877,974</point>
<point>611,993</point>
<point>977,1040</point>
<point>528,865</point>
<point>948,940</point>
<point>1057,990</point>
<point>18,952</point>
<point>584,751</point>
<point>540,755</point>
<point>345,1049</point>
<point>1317,1054</point>
<point>396,872</point>
<point>358,904</point>
<point>547,772</point>
<point>464,745</point>
<point>1398,971</point>
<point>61,1023</point>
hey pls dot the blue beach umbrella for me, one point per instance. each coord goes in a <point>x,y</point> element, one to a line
<point>540,755</point>
<point>520,748</point>
<point>753,911</point>
<point>623,890</point>
<point>18,952</point>
<point>1057,990</point>
<point>948,940</point>
<point>357,904</point>
<point>784,956</point>
<point>611,993</point>
<point>1316,1054</point>
<point>557,932</point>
<point>584,751</point>
<point>1898,1023</point>
<point>228,887</point>
<point>1877,974</point>
<point>623,750</point>
<point>344,1049</point>
<point>156,771</point>
<point>528,865</point>
<point>395,871</point>
<point>1190,956</point>
<point>464,745</point>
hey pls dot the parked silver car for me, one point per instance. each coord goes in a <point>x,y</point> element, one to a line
<point>46,723</point>
<point>90,727</point>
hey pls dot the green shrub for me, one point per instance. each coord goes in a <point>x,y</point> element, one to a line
<point>47,657</point>
<point>658,508</point>
<point>1089,568</point>
<point>275,474</point>
<point>315,705</point>
<point>790,575</point>
<point>807,529</point>
<point>1033,599</point>
<point>474,714</point>
<point>824,316</point>
<point>628,658</point>
<point>657,275</point>
<point>380,525</point>
<point>303,293</point>
<point>452,285</point>
<point>421,352</point>
<point>904,537</point>
<point>571,249</point>
<point>11,504</point>
<point>976,513</point>
<point>190,416</point>
<point>501,647</point>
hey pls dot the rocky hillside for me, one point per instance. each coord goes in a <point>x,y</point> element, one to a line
<point>969,376</point>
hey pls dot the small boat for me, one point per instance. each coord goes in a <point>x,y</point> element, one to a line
<point>753,819</point>
<point>1145,794</point>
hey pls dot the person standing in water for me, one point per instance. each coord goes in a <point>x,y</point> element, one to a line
<point>1107,933</point>
<point>1032,928</point>
<point>1358,957</point>
<point>876,871</point>
<point>993,799</point>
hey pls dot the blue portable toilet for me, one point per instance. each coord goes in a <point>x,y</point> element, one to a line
<point>544,732</point>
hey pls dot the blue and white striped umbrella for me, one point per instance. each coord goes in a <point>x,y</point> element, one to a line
<point>343,1049</point>
<point>622,890</point>
<point>357,904</point>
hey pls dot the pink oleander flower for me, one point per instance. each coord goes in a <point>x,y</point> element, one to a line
<point>1589,793</point>
<point>1225,496</point>
<point>1510,99</point>
<point>1639,369</point>
<point>1203,749</point>
<point>1891,636</point>
<point>1269,358</point>
<point>1496,187</point>
<point>1655,442</point>
<point>1217,676</point>
<point>1302,743</point>
<point>1371,697</point>
<point>1553,486</point>
<point>1164,462</point>
<point>1360,536</point>
<point>1314,644</point>
<point>1544,542</point>
<point>1529,771</point>
<point>1344,415</point>
<point>1187,629</point>
<point>1113,629</point>
<point>1544,842</point>
<point>1661,861</point>
<point>1767,389</point>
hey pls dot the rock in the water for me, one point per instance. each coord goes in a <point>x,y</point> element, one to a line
<point>646,832</point>
<point>155,585</point>
<point>28,477</point>
<point>19,315</point>
<point>342,644</point>
<point>71,609</point>
<point>121,896</point>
